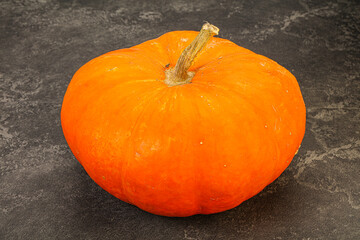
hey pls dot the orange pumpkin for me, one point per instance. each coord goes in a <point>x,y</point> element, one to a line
<point>198,135</point>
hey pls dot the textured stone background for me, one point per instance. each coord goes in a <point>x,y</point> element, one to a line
<point>46,194</point>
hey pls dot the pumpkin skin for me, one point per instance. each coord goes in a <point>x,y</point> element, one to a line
<point>197,148</point>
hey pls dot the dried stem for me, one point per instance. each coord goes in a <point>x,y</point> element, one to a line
<point>180,75</point>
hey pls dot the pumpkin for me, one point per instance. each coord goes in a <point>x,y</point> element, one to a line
<point>183,124</point>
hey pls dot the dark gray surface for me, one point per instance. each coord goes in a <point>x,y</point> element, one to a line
<point>46,194</point>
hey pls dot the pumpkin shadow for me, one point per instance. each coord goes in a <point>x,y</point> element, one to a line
<point>273,208</point>
<point>99,214</point>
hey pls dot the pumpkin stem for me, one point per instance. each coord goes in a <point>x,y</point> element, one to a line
<point>179,74</point>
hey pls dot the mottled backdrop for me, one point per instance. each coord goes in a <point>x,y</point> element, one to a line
<point>46,194</point>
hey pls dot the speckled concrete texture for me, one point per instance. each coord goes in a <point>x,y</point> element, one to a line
<point>46,194</point>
